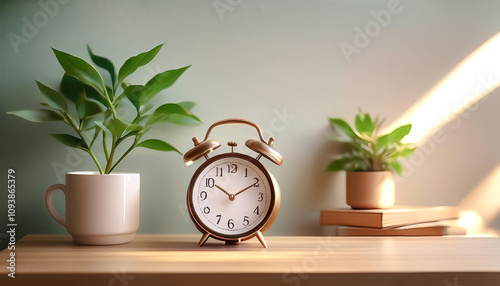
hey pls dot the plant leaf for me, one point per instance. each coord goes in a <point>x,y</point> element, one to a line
<point>133,63</point>
<point>131,130</point>
<point>134,94</point>
<point>103,63</point>
<point>140,95</point>
<point>158,145</point>
<point>396,167</point>
<point>160,82</point>
<point>187,104</point>
<point>116,126</point>
<point>71,87</point>
<point>404,152</point>
<point>91,93</point>
<point>182,120</point>
<point>101,125</point>
<point>53,98</point>
<point>364,124</point>
<point>344,126</point>
<point>37,115</point>
<point>90,122</point>
<point>134,128</point>
<point>71,141</point>
<point>82,70</point>
<point>172,113</point>
<point>395,136</point>
<point>147,108</point>
<point>337,165</point>
<point>88,108</point>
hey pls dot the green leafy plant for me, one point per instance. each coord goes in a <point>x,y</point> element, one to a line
<point>90,106</point>
<point>369,151</point>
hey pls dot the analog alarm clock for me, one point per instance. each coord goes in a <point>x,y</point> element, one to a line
<point>232,196</point>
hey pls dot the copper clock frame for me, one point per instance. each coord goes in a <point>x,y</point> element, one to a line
<point>256,231</point>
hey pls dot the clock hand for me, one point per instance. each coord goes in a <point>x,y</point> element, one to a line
<point>243,190</point>
<point>228,194</point>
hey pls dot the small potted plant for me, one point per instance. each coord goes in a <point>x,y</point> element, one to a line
<point>370,160</point>
<point>103,207</point>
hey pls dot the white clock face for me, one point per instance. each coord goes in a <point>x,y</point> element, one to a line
<point>231,195</point>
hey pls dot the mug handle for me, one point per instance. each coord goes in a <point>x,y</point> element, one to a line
<point>50,204</point>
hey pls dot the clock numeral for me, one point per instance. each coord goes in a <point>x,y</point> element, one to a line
<point>206,210</point>
<point>230,224</point>
<point>246,172</point>
<point>218,216</point>
<point>203,195</point>
<point>218,172</point>
<point>256,184</point>
<point>246,221</point>
<point>209,182</point>
<point>261,197</point>
<point>256,210</point>
<point>232,168</point>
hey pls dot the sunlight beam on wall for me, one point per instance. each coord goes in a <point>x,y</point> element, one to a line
<point>471,80</point>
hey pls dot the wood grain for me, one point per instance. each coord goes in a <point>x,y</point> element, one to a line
<point>158,258</point>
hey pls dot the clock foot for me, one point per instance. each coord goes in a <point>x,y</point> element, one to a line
<point>203,239</point>
<point>260,237</point>
<point>232,242</point>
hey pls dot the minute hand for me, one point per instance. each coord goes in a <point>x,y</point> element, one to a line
<point>243,190</point>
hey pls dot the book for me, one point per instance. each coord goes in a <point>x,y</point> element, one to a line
<point>423,229</point>
<point>384,218</point>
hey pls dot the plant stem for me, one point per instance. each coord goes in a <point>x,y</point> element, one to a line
<point>111,154</point>
<point>111,106</point>
<point>89,149</point>
<point>123,156</point>
<point>95,160</point>
<point>104,145</point>
<point>96,133</point>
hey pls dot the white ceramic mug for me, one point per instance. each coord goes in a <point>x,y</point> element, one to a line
<point>100,209</point>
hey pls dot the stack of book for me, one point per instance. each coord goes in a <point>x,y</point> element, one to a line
<point>396,221</point>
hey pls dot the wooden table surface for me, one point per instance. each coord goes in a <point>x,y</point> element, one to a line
<point>159,259</point>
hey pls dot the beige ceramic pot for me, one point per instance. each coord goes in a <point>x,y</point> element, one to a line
<point>100,209</point>
<point>370,190</point>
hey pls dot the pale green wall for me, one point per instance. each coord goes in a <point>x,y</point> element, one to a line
<point>254,61</point>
